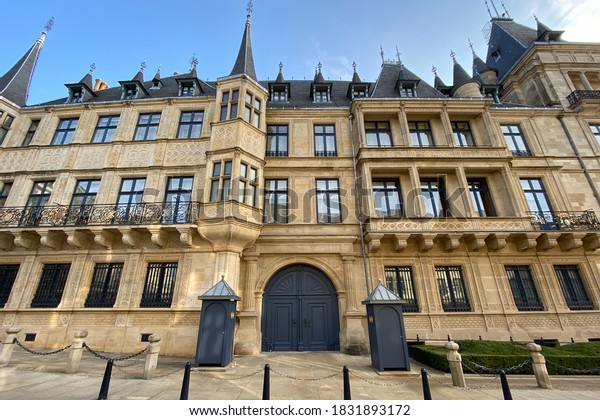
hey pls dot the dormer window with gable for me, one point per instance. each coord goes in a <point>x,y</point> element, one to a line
<point>321,94</point>
<point>408,91</point>
<point>359,92</point>
<point>279,94</point>
<point>76,96</point>
<point>130,92</point>
<point>187,89</point>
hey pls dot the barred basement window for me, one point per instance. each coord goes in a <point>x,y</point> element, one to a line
<point>159,286</point>
<point>105,285</point>
<point>8,274</point>
<point>52,284</point>
<point>400,281</point>
<point>452,289</point>
<point>523,288</point>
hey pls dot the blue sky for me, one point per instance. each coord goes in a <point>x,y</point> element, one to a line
<point>118,35</point>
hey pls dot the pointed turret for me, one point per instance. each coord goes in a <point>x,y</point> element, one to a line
<point>545,34</point>
<point>244,64</point>
<point>82,91</point>
<point>318,75</point>
<point>14,84</point>
<point>157,82</point>
<point>280,90</point>
<point>357,88</point>
<point>134,88</point>
<point>439,84</point>
<point>464,85</point>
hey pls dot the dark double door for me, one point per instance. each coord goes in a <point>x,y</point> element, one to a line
<point>300,312</point>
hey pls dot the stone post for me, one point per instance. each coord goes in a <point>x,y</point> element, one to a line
<point>76,352</point>
<point>455,362</point>
<point>539,366</point>
<point>152,356</point>
<point>8,345</point>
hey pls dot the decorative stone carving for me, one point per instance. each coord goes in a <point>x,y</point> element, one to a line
<point>103,238</point>
<point>571,240</point>
<point>450,242</point>
<point>525,241</point>
<point>547,241</point>
<point>79,239</point>
<point>27,240</point>
<point>130,238</point>
<point>425,242</point>
<point>373,241</point>
<point>52,239</point>
<point>476,241</point>
<point>186,236</point>
<point>400,242</point>
<point>591,242</point>
<point>7,241</point>
<point>496,241</point>
<point>159,237</point>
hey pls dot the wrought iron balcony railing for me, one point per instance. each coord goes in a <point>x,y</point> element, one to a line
<point>578,95</point>
<point>563,220</point>
<point>100,214</point>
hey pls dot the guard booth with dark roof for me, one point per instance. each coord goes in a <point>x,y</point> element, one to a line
<point>217,326</point>
<point>387,336</point>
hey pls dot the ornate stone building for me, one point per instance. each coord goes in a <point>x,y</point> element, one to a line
<point>476,202</point>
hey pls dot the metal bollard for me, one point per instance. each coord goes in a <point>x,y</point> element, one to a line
<point>103,395</point>
<point>8,345</point>
<point>267,383</point>
<point>76,352</point>
<point>505,387</point>
<point>185,387</point>
<point>347,394</point>
<point>425,381</point>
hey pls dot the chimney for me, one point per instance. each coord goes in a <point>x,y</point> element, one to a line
<point>100,85</point>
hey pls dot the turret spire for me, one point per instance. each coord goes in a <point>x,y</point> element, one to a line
<point>244,64</point>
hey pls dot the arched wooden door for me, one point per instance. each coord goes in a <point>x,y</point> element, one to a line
<point>300,311</point>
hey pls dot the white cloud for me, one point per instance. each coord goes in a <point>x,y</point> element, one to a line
<point>578,18</point>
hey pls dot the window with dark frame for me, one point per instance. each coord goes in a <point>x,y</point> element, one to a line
<point>277,140</point>
<point>452,289</point>
<point>596,131</point>
<point>247,184</point>
<point>159,285</point>
<point>378,134</point>
<point>104,286</point>
<point>33,126</point>
<point>229,105</point>
<point>4,192</point>
<point>187,89</point>
<point>463,136</point>
<point>325,143</point>
<point>400,281</point>
<point>8,274</point>
<point>105,129</point>
<point>51,286</point>
<point>220,184</point>
<point>279,94</point>
<point>276,201</point>
<point>5,126</point>
<point>82,201</point>
<point>515,140</point>
<point>65,131</point>
<point>573,288</point>
<point>434,197</point>
<point>190,125</point>
<point>129,200</point>
<point>421,134</point>
<point>321,94</point>
<point>408,91</point>
<point>147,127</point>
<point>38,199</point>
<point>537,200</point>
<point>328,201</point>
<point>523,288</point>
<point>481,197</point>
<point>178,198</point>
<point>387,198</point>
<point>252,110</point>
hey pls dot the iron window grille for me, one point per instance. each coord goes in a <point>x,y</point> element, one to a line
<point>482,197</point>
<point>4,191</point>
<point>105,129</point>
<point>387,198</point>
<point>523,288</point>
<point>400,281</point>
<point>276,201</point>
<point>33,126</point>
<point>65,131</point>
<point>178,198</point>
<point>105,285</point>
<point>515,140</point>
<point>573,288</point>
<point>277,140</point>
<point>421,134</point>
<point>452,289</point>
<point>159,286</point>
<point>38,198</point>
<point>190,125</point>
<point>8,274</point>
<point>328,201</point>
<point>129,201</point>
<point>51,286</point>
<point>220,184</point>
<point>147,127</point>
<point>325,144</point>
<point>378,134</point>
<point>463,136</point>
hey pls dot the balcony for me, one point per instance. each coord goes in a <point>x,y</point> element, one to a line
<point>563,220</point>
<point>579,95</point>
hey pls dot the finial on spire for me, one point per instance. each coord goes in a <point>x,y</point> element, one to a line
<point>434,69</point>
<point>249,10</point>
<point>495,9</point>
<point>280,66</point>
<point>398,55</point>
<point>92,68</point>
<point>453,55</point>
<point>143,66</point>
<point>471,45</point>
<point>536,18</point>
<point>488,9</point>
<point>49,25</point>
<point>354,66</point>
<point>505,9</point>
<point>382,54</point>
<point>193,62</point>
<point>319,66</point>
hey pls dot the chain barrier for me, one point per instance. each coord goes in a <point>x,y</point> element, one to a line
<point>386,385</point>
<point>39,353</point>
<point>578,371</point>
<point>204,373</point>
<point>114,359</point>
<point>305,379</point>
<point>493,379</point>
<point>495,371</point>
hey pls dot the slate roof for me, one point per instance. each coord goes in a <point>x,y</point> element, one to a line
<point>244,64</point>
<point>220,291</point>
<point>382,294</point>
<point>387,83</point>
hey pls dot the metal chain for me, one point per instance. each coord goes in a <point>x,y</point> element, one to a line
<point>568,369</point>
<point>497,371</point>
<point>304,379</point>
<point>85,346</point>
<point>204,373</point>
<point>39,353</point>
<point>380,383</point>
<point>466,388</point>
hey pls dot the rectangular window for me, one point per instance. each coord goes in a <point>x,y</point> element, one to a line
<point>105,285</point>
<point>596,131</point>
<point>187,89</point>
<point>277,140</point>
<point>147,127</point>
<point>386,196</point>
<point>481,197</point>
<point>159,286</point>
<point>523,288</point>
<point>434,196</point>
<point>400,281</point>
<point>5,127</point>
<point>279,94</point>
<point>328,201</point>
<point>407,91</point>
<point>105,129</point>
<point>220,185</point>
<point>33,126</point>
<point>178,199</point>
<point>276,201</point>
<point>538,202</point>
<point>129,201</point>
<point>65,131</point>
<point>515,140</point>
<point>38,199</point>
<point>378,134</point>
<point>452,289</point>
<point>420,134</point>
<point>229,102</point>
<point>463,136</point>
<point>8,274</point>
<point>359,92</point>
<point>573,288</point>
<point>82,201</point>
<point>190,125</point>
<point>4,191</point>
<point>325,140</point>
<point>52,284</point>
<point>252,110</point>
<point>247,185</point>
<point>321,94</point>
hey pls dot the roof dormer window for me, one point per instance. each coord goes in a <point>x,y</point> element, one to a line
<point>187,89</point>
<point>130,92</point>
<point>76,95</point>
<point>279,94</point>
<point>322,94</point>
<point>408,91</point>
<point>496,55</point>
<point>359,92</point>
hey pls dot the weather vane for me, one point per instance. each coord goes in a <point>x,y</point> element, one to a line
<point>194,61</point>
<point>382,54</point>
<point>280,66</point>
<point>92,68</point>
<point>49,24</point>
<point>453,55</point>
<point>434,69</point>
<point>143,66</point>
<point>250,8</point>
<point>354,66</point>
<point>471,45</point>
<point>319,66</point>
